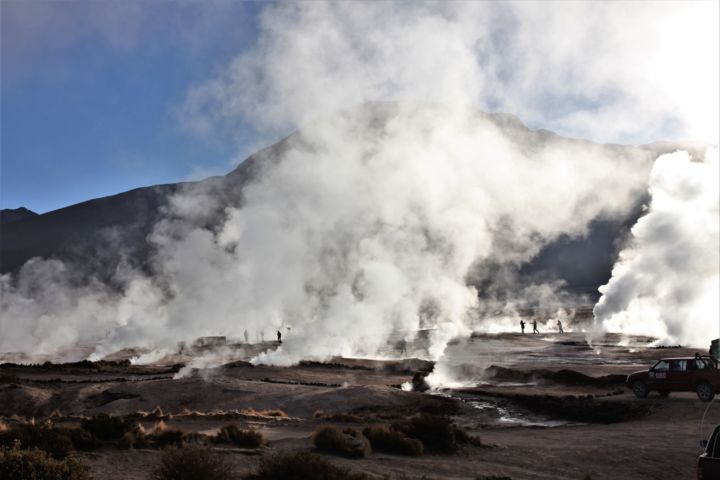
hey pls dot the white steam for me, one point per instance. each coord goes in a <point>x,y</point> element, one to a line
<point>667,281</point>
<point>366,227</point>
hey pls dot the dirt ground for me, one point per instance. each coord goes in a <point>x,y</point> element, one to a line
<point>537,420</point>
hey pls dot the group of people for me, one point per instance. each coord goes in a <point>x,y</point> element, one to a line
<point>535,329</point>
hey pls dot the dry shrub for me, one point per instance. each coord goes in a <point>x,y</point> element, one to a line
<point>272,413</point>
<point>8,378</point>
<point>35,464</point>
<point>81,439</point>
<point>319,414</point>
<point>437,434</point>
<point>105,427</point>
<point>136,439</point>
<point>390,440</point>
<point>344,418</point>
<point>232,434</point>
<point>302,466</point>
<point>192,462</point>
<point>276,412</point>
<point>41,436</point>
<point>163,436</point>
<point>348,442</point>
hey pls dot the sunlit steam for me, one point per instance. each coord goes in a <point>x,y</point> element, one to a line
<point>364,227</point>
<point>667,280</point>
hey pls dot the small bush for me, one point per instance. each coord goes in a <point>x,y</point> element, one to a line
<point>302,466</point>
<point>348,442</point>
<point>42,436</point>
<point>276,412</point>
<point>437,434</point>
<point>8,378</point>
<point>242,438</point>
<point>134,440</point>
<point>169,436</point>
<point>81,439</point>
<point>163,436</point>
<point>105,427</point>
<point>273,413</point>
<point>35,464</point>
<point>344,418</point>
<point>192,462</point>
<point>390,440</point>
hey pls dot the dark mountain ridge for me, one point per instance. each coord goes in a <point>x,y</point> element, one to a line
<point>10,215</point>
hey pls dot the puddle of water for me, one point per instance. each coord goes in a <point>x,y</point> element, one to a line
<point>494,414</point>
<point>504,416</point>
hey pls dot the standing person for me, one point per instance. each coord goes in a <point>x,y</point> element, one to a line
<point>522,327</point>
<point>535,330</point>
<point>247,337</point>
<point>279,335</point>
<point>560,329</point>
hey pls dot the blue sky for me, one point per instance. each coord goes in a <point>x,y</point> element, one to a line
<point>95,93</point>
<point>91,90</point>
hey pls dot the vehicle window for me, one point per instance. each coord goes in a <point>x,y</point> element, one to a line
<point>713,448</point>
<point>678,365</point>
<point>661,366</point>
<point>701,364</point>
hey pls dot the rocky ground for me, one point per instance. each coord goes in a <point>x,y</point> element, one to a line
<point>549,407</point>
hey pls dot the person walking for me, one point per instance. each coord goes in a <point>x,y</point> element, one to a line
<point>535,330</point>
<point>522,327</point>
<point>279,335</point>
<point>559,324</point>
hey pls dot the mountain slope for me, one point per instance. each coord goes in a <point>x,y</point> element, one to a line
<point>102,233</point>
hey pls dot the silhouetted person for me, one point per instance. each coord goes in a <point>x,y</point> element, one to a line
<point>279,336</point>
<point>535,330</point>
<point>560,329</point>
<point>247,337</point>
<point>402,344</point>
<point>522,327</point>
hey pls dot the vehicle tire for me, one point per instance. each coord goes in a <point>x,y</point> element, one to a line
<point>705,391</point>
<point>664,394</point>
<point>640,389</point>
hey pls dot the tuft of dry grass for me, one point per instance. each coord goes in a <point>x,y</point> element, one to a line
<point>268,413</point>
<point>192,462</point>
<point>35,464</point>
<point>349,442</point>
<point>437,433</point>
<point>386,439</point>
<point>42,436</point>
<point>302,466</point>
<point>105,427</point>
<point>234,435</point>
<point>250,413</point>
<point>163,436</point>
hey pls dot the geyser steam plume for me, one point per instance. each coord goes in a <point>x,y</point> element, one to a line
<point>367,222</point>
<point>666,283</point>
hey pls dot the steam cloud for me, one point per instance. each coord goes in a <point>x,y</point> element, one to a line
<point>667,280</point>
<point>367,226</point>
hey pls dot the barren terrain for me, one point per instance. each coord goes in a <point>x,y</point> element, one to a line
<point>544,406</point>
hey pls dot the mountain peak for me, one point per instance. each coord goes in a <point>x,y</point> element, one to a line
<point>10,215</point>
